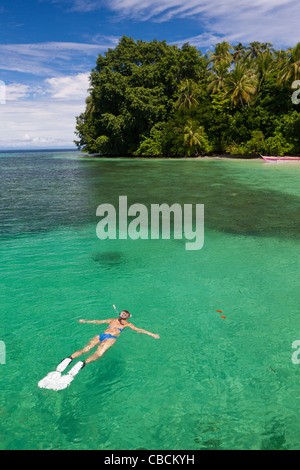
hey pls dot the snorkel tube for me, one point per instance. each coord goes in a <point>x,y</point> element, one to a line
<point>116,310</point>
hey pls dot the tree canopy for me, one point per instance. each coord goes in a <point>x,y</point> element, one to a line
<point>151,98</point>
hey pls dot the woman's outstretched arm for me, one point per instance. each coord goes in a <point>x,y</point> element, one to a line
<point>96,322</point>
<point>139,330</point>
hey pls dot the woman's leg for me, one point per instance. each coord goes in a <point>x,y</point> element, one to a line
<point>104,346</point>
<point>87,348</point>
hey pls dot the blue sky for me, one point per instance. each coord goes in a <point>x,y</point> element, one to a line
<point>48,48</point>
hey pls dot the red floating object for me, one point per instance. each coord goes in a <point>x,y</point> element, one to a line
<point>220,311</point>
<point>222,316</point>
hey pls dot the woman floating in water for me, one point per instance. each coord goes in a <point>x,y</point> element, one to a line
<point>104,341</point>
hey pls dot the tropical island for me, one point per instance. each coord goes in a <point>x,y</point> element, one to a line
<point>154,99</point>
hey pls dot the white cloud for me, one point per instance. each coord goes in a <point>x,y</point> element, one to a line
<point>42,111</point>
<point>203,40</point>
<point>78,5</point>
<point>69,87</point>
<point>85,5</point>
<point>40,141</point>
<point>168,9</point>
<point>16,91</point>
<point>39,123</point>
<point>43,116</point>
<point>46,59</point>
<point>275,21</point>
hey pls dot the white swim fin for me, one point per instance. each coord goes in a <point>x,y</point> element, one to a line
<point>64,364</point>
<point>56,381</point>
<point>50,380</point>
<point>75,369</point>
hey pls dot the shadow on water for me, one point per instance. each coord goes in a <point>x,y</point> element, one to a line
<point>106,376</point>
<point>235,206</point>
<point>109,259</point>
<point>256,213</point>
<point>274,437</point>
<point>47,193</point>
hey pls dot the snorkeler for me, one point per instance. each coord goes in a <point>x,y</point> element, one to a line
<point>104,341</point>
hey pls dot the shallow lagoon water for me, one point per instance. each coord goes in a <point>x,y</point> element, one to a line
<point>209,382</point>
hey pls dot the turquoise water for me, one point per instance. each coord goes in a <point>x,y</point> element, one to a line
<point>208,382</point>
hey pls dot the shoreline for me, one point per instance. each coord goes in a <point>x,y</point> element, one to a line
<point>179,157</point>
<point>233,158</point>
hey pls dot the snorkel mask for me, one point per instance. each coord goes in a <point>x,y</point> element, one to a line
<point>122,315</point>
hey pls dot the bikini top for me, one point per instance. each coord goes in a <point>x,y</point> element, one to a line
<point>121,329</point>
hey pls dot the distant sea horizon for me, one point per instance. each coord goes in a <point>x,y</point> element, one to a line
<point>65,149</point>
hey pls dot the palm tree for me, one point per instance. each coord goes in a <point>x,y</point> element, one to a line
<point>217,77</point>
<point>280,57</point>
<point>267,47</point>
<point>264,65</point>
<point>90,105</point>
<point>193,137</point>
<point>241,84</point>
<point>221,54</point>
<point>239,52</point>
<point>254,50</point>
<point>290,67</point>
<point>188,92</point>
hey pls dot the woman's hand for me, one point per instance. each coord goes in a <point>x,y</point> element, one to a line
<point>155,336</point>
